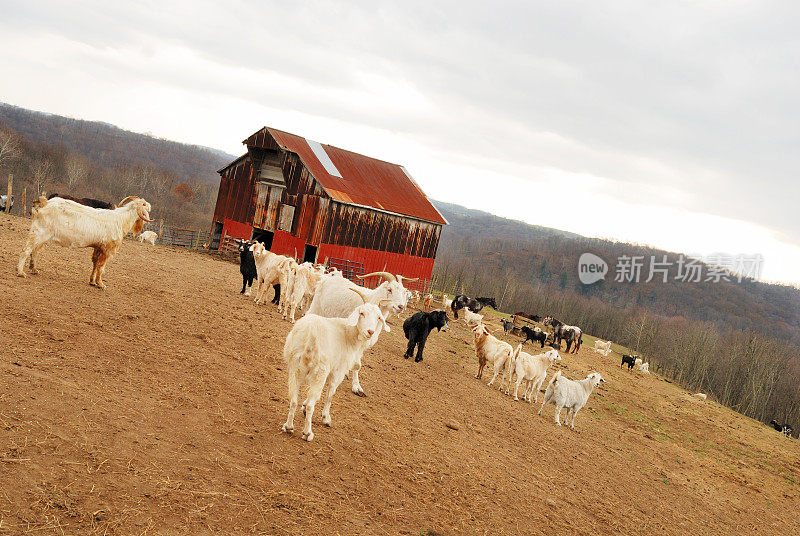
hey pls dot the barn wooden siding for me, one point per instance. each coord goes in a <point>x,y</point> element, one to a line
<point>346,225</point>
<point>235,198</point>
<point>271,188</point>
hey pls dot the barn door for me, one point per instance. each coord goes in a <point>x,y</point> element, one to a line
<point>268,198</point>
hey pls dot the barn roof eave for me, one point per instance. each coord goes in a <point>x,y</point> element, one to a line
<point>232,163</point>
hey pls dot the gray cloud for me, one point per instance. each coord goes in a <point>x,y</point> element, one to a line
<point>694,97</point>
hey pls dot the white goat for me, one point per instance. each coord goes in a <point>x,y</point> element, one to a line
<point>71,224</point>
<point>638,362</point>
<point>490,349</point>
<point>533,369</point>
<point>444,300</point>
<point>306,282</point>
<point>570,394</point>
<point>334,299</point>
<point>701,396</point>
<point>320,351</point>
<point>472,319</point>
<point>602,347</point>
<point>286,277</point>
<point>148,236</point>
<point>645,368</point>
<point>268,266</point>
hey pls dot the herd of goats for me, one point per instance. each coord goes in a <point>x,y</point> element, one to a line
<point>342,320</point>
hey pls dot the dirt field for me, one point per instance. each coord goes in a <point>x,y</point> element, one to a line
<point>154,407</point>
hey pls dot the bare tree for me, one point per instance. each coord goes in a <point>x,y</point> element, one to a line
<point>10,149</point>
<point>42,170</point>
<point>77,169</point>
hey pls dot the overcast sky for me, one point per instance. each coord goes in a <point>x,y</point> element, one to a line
<point>668,123</point>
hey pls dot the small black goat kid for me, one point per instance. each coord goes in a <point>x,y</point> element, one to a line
<point>247,265</point>
<point>418,327</point>
<point>629,360</point>
<point>533,335</point>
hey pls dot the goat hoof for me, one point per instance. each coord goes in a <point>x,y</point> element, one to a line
<point>360,392</point>
<point>308,436</point>
<point>326,422</point>
<point>287,429</point>
<point>406,356</point>
<point>417,360</point>
<point>22,274</point>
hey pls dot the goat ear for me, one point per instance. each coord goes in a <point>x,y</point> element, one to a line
<point>352,320</point>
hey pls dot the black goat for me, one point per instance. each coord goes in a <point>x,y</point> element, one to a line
<point>473,304</point>
<point>533,335</point>
<point>523,314</point>
<point>508,325</point>
<point>458,303</point>
<point>88,201</point>
<point>782,428</point>
<point>630,360</point>
<point>418,327</point>
<point>486,302</point>
<point>247,264</point>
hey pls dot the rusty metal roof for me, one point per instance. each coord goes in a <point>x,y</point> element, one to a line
<point>363,181</point>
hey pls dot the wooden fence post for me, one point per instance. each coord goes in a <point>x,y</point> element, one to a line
<point>24,210</point>
<point>10,189</point>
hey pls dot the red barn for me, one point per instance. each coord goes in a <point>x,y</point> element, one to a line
<point>321,202</point>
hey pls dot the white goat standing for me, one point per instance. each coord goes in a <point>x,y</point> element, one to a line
<point>319,351</point>
<point>533,369</point>
<point>603,348</point>
<point>570,394</point>
<point>268,267</point>
<point>334,299</point>
<point>306,282</point>
<point>71,224</point>
<point>490,349</point>
<point>148,236</point>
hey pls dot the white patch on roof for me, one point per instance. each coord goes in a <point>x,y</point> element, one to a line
<point>324,159</point>
<point>410,177</point>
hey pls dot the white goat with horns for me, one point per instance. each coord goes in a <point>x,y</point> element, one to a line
<point>320,351</point>
<point>71,224</point>
<point>334,299</point>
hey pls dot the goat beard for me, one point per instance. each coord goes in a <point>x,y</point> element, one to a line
<point>137,227</point>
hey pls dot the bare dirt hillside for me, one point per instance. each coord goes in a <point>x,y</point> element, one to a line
<point>155,407</point>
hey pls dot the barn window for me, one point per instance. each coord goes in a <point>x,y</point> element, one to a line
<point>286,218</point>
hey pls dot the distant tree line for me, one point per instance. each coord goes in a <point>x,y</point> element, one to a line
<point>39,167</point>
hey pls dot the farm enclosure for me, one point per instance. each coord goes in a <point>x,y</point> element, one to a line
<point>156,406</point>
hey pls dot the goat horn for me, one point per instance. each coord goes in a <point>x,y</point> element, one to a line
<point>357,290</point>
<point>400,278</point>
<point>143,213</point>
<point>127,200</point>
<point>386,275</point>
